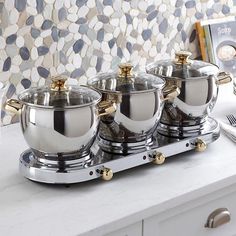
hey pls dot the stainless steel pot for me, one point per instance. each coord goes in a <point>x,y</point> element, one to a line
<point>198,83</point>
<point>139,101</point>
<point>59,120</point>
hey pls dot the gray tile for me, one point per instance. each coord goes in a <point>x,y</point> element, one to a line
<point>119,52</point>
<point>1,6</point>
<point>25,65</point>
<point>177,12</point>
<point>104,19</point>
<point>11,50</point>
<point>190,4</point>
<point>150,8</point>
<point>20,5</point>
<point>100,35</point>
<point>152,15</point>
<point>30,20</point>
<point>199,15</point>
<point>63,33</point>
<point>209,12</point>
<point>78,45</point>
<point>11,39</point>
<point>42,50</point>
<point>129,47</point>
<point>47,24</point>
<point>43,72</point>
<point>107,2</point>
<point>111,43</point>
<point>163,26</point>
<point>129,19</point>
<point>11,90</point>
<point>179,26</point>
<point>39,5</point>
<point>3,113</point>
<point>80,3</point>
<point>63,58</point>
<point>7,64</point>
<point>77,73</point>
<point>24,53</point>
<point>225,9</point>
<point>34,33</point>
<point>62,14</point>
<point>146,34</point>
<point>179,3</point>
<point>184,36</point>
<point>83,29</point>
<point>99,64</point>
<point>81,21</point>
<point>54,34</point>
<point>26,83</point>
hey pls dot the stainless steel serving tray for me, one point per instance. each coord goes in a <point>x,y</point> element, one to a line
<point>104,165</point>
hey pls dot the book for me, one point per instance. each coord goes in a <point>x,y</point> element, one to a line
<point>217,41</point>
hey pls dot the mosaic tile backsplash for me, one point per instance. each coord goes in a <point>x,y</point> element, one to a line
<point>79,38</point>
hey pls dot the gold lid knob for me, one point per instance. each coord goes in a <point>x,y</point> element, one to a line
<point>58,83</point>
<point>159,158</point>
<point>182,57</point>
<point>107,174</point>
<point>200,145</point>
<point>125,70</point>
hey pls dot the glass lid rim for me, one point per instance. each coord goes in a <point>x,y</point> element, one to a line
<point>47,89</point>
<point>107,76</point>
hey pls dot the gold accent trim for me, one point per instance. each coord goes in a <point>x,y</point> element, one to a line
<point>224,78</point>
<point>14,106</point>
<point>170,92</point>
<point>200,145</point>
<point>182,58</point>
<point>107,174</point>
<point>58,83</point>
<point>159,158</point>
<point>125,70</point>
<point>106,108</point>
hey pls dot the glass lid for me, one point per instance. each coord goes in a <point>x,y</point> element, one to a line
<point>124,81</point>
<point>182,67</point>
<point>59,95</point>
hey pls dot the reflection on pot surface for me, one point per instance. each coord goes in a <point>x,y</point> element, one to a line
<point>59,120</point>
<point>198,84</point>
<point>139,102</point>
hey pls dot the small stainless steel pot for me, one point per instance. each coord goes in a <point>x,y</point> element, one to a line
<point>59,120</point>
<point>198,83</point>
<point>139,101</point>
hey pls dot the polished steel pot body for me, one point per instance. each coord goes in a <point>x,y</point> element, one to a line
<point>194,103</point>
<point>197,93</point>
<point>136,116</point>
<point>57,131</point>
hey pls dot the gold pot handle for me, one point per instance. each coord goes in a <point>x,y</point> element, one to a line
<point>106,108</point>
<point>171,92</point>
<point>13,106</point>
<point>224,78</point>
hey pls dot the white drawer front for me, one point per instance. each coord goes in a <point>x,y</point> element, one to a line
<point>132,230</point>
<point>191,222</point>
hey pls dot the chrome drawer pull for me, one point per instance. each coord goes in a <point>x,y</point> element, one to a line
<point>218,217</point>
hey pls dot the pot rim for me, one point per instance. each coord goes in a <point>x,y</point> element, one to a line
<point>94,102</point>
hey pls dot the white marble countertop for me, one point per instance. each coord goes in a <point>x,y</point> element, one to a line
<point>98,207</point>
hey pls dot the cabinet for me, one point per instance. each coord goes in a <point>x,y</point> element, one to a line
<point>189,219</point>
